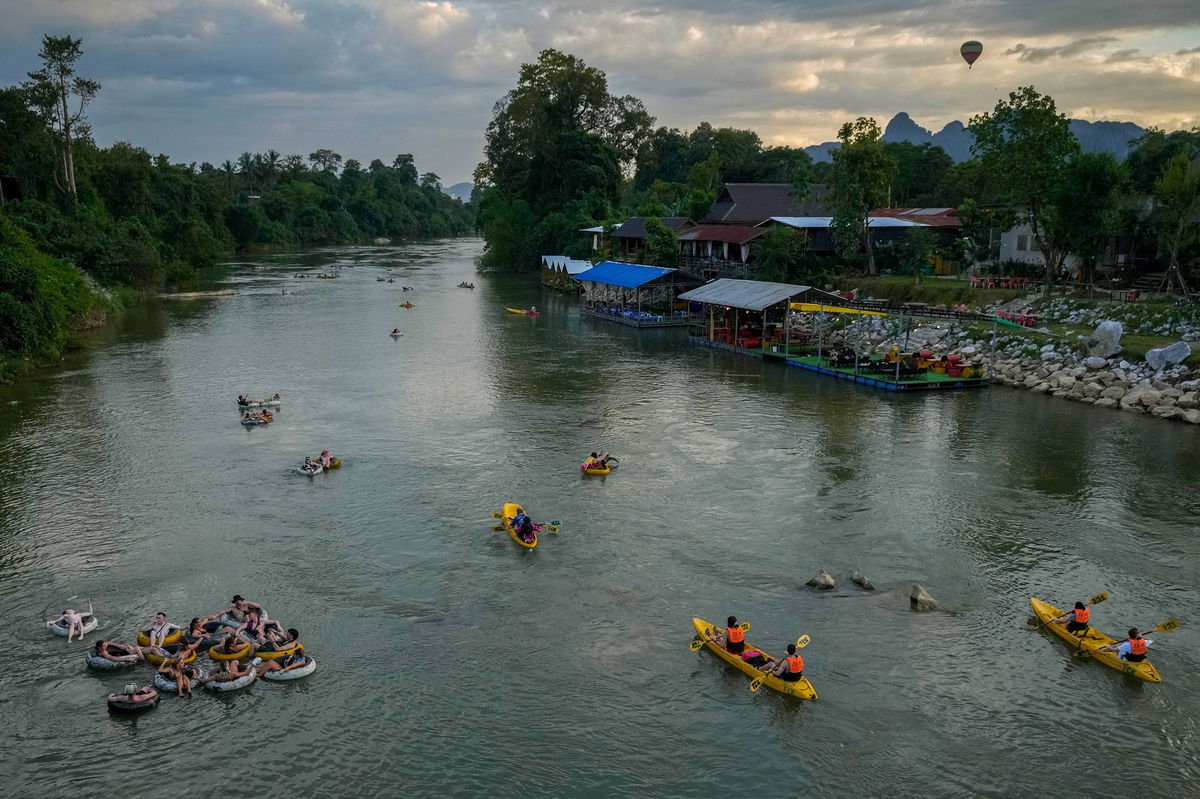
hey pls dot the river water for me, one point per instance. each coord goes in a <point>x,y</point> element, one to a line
<point>452,662</point>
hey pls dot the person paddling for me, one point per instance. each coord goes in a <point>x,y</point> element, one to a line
<point>588,462</point>
<point>734,638</point>
<point>1133,649</point>
<point>790,668</point>
<point>1077,620</point>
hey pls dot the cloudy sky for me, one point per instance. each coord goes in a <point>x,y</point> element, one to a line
<point>208,79</point>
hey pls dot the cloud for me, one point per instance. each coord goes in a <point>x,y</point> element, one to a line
<point>1078,47</point>
<point>208,79</point>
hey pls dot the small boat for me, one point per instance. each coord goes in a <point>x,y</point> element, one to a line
<point>395,335</point>
<point>801,689</point>
<point>328,277</point>
<point>334,463</point>
<point>590,470</point>
<point>511,509</point>
<point>308,668</point>
<point>1143,671</point>
<point>380,279</point>
<point>523,312</point>
<point>316,468</point>
<point>407,305</point>
<point>390,280</point>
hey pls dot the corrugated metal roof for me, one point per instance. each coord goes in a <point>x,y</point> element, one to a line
<point>824,221</point>
<point>599,228</point>
<point>635,228</point>
<point>934,217</point>
<point>750,295</point>
<point>751,203</point>
<point>628,276</point>
<point>733,234</point>
<point>572,266</point>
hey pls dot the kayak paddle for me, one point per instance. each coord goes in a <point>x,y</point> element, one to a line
<point>757,682</point>
<point>1167,626</point>
<point>1096,600</point>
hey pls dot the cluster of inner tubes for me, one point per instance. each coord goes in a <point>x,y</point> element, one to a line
<point>241,640</point>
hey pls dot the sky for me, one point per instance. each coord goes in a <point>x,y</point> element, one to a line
<point>205,80</point>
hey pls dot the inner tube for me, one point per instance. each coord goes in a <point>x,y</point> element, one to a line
<point>163,684</point>
<point>90,623</point>
<point>596,471</point>
<point>143,638</point>
<point>158,660</point>
<point>303,671</point>
<point>238,655</point>
<point>121,704</point>
<point>98,663</point>
<point>232,685</point>
<point>208,641</point>
<point>271,654</point>
<point>308,473</point>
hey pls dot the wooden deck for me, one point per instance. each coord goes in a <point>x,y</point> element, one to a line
<point>667,321</point>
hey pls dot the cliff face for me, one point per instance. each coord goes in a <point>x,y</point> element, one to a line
<point>1109,137</point>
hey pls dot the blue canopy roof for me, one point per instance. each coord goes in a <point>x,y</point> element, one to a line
<point>627,276</point>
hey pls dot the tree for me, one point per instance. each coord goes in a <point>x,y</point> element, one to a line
<point>1178,194</point>
<point>979,237</point>
<point>1150,153</point>
<point>1025,144</point>
<point>1086,210</point>
<point>662,245</point>
<point>862,170</point>
<point>779,252</point>
<point>60,95</point>
<point>325,160</point>
<point>246,169</point>
<point>431,180</point>
<point>919,247</point>
<point>920,168</point>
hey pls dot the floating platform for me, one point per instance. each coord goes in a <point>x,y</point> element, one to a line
<point>927,381</point>
<point>665,321</point>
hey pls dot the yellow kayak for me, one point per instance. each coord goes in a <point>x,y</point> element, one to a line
<point>334,463</point>
<point>1143,671</point>
<point>523,312</point>
<point>801,689</point>
<point>511,509</point>
<point>590,470</point>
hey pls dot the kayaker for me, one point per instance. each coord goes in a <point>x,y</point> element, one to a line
<point>395,330</point>
<point>790,668</point>
<point>589,462</point>
<point>242,400</point>
<point>533,309</point>
<point>308,465</point>
<point>526,530</point>
<point>734,637</point>
<point>1077,619</point>
<point>519,520</point>
<point>326,459</point>
<point>1133,649</point>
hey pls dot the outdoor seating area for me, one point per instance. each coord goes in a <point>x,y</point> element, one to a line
<point>1023,319</point>
<point>639,318</point>
<point>999,282</point>
<point>635,294</point>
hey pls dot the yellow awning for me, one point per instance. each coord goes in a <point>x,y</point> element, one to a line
<point>812,306</point>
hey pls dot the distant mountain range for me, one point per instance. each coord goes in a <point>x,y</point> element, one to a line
<point>460,190</point>
<point>1109,137</point>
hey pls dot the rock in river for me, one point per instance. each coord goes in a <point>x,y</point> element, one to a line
<point>859,579</point>
<point>822,580</point>
<point>920,600</point>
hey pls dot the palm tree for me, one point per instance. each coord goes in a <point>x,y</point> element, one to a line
<point>271,166</point>
<point>228,169</point>
<point>246,167</point>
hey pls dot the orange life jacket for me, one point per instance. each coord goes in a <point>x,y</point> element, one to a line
<point>1082,615</point>
<point>795,664</point>
<point>736,635</point>
<point>1137,646</point>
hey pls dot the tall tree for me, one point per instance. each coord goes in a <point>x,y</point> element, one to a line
<point>779,252</point>
<point>861,173</point>
<point>662,245</point>
<point>325,160</point>
<point>61,96</point>
<point>1025,145</point>
<point>1178,196</point>
<point>1086,209</point>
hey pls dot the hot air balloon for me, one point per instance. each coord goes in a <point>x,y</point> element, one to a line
<point>970,51</point>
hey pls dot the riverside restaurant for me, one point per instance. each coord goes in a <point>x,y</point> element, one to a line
<point>790,323</point>
<point>635,294</point>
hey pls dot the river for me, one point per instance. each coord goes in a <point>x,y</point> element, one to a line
<point>452,662</point>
